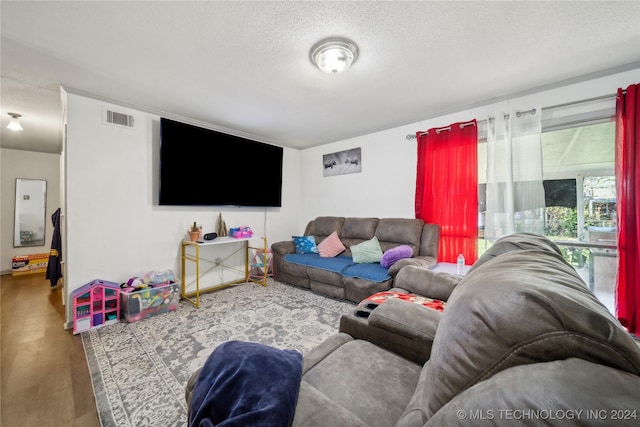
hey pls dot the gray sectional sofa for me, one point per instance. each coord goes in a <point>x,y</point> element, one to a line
<point>521,341</point>
<point>390,232</point>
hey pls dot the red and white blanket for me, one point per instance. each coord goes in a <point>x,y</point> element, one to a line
<point>381,297</point>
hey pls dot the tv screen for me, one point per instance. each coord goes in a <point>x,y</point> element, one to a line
<point>203,167</point>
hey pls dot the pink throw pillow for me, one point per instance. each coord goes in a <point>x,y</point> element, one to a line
<point>331,246</point>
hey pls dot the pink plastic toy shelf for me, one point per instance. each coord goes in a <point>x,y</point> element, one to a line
<point>95,304</point>
<point>239,232</point>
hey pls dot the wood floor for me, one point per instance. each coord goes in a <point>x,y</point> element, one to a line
<point>44,376</point>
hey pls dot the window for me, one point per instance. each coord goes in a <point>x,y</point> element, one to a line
<point>578,166</point>
<point>578,169</point>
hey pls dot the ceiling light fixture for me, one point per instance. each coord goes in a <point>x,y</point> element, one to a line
<point>14,122</point>
<point>334,55</point>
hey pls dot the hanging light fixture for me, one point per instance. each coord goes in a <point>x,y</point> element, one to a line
<point>14,122</point>
<point>334,55</point>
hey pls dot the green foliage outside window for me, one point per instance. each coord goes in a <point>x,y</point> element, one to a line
<point>577,257</point>
<point>561,222</point>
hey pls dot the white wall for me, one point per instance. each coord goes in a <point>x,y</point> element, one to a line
<point>386,185</point>
<point>25,164</point>
<point>115,230</point>
<point>114,226</point>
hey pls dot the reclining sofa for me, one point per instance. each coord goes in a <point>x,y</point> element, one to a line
<point>320,274</point>
<point>521,341</point>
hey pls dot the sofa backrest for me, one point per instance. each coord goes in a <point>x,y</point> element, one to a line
<point>430,240</point>
<point>523,306</point>
<point>513,242</point>
<point>357,230</point>
<point>323,226</point>
<point>392,232</point>
<point>569,392</point>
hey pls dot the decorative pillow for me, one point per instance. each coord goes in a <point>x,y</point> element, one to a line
<point>331,246</point>
<point>305,244</point>
<point>367,252</point>
<point>394,254</point>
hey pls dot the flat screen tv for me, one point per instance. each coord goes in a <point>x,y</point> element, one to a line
<point>203,167</point>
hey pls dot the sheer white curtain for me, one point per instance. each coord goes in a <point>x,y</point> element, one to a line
<point>515,193</point>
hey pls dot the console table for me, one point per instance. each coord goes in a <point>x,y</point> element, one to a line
<point>204,265</point>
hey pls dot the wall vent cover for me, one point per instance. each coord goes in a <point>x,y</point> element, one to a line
<point>121,119</point>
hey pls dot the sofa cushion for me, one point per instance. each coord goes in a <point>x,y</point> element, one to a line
<point>356,289</point>
<point>323,226</point>
<point>380,297</point>
<point>305,244</point>
<point>315,409</point>
<point>334,264</point>
<point>342,265</point>
<point>493,322</point>
<point>422,281</point>
<point>331,246</point>
<point>391,256</point>
<point>368,251</point>
<point>417,261</point>
<point>369,271</point>
<point>406,318</point>
<point>430,241</point>
<point>519,241</point>
<point>404,231</point>
<point>359,228</point>
<point>415,414</point>
<point>371,383</point>
<point>560,393</point>
<point>570,387</point>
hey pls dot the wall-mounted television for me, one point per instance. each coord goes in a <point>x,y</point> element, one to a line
<point>204,167</point>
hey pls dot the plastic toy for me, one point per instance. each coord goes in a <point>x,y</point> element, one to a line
<point>95,304</point>
<point>238,232</point>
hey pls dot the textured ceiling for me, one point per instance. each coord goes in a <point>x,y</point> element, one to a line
<point>244,67</point>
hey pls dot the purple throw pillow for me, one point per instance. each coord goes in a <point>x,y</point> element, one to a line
<point>394,254</point>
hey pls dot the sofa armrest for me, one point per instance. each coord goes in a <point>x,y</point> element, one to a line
<point>430,240</point>
<point>421,261</point>
<point>405,318</point>
<point>283,248</point>
<point>428,283</point>
<point>401,327</point>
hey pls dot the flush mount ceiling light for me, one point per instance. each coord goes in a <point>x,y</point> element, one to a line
<point>334,55</point>
<point>14,122</point>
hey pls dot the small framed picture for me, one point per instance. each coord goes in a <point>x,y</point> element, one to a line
<point>342,162</point>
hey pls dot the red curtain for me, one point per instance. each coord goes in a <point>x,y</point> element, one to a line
<point>628,194</point>
<point>447,187</point>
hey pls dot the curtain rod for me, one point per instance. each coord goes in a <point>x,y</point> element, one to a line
<point>443,129</point>
<point>532,111</point>
<point>596,98</point>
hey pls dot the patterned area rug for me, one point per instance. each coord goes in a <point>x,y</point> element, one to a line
<point>139,370</point>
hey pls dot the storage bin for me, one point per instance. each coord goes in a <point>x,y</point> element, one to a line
<point>150,302</point>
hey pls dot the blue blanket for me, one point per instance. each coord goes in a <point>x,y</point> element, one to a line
<point>335,264</point>
<point>374,272</point>
<point>343,265</point>
<point>246,384</point>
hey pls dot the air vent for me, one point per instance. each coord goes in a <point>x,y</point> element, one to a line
<point>119,119</point>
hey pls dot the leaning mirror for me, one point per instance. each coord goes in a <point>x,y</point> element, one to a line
<point>30,218</point>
